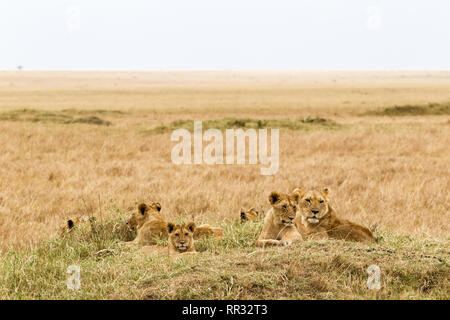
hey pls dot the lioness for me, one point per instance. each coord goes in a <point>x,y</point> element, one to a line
<point>249,215</point>
<point>181,238</point>
<point>150,225</point>
<point>318,220</point>
<point>279,228</point>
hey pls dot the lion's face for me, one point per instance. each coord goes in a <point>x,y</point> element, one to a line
<point>249,215</point>
<point>284,207</point>
<point>181,236</point>
<point>138,218</point>
<point>314,205</point>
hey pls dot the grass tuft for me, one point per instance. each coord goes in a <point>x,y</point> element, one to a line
<point>67,116</point>
<point>306,124</point>
<point>413,110</point>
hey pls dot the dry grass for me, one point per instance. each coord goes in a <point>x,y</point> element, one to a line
<point>388,170</point>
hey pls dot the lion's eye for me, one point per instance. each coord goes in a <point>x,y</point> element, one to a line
<point>307,200</point>
<point>177,234</point>
<point>186,234</point>
<point>284,207</point>
<point>321,201</point>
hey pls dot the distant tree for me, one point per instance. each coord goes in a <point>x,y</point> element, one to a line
<point>19,67</point>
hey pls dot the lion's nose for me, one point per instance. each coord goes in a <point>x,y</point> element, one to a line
<point>291,218</point>
<point>315,211</point>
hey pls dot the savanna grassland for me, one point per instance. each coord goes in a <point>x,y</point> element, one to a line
<point>96,143</point>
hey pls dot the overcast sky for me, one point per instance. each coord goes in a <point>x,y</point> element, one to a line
<point>227,34</point>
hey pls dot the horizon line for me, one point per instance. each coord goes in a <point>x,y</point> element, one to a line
<point>215,70</point>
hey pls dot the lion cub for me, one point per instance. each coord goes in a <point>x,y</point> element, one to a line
<point>249,215</point>
<point>70,224</point>
<point>278,228</point>
<point>318,219</point>
<point>181,238</point>
<point>149,223</point>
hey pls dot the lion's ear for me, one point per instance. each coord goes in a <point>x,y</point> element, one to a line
<point>158,206</point>
<point>170,227</point>
<point>243,217</point>
<point>142,208</point>
<point>191,226</point>
<point>274,197</point>
<point>325,191</point>
<point>299,191</point>
<point>70,224</point>
<point>296,196</point>
<point>255,211</point>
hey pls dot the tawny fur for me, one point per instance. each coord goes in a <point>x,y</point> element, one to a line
<point>205,230</point>
<point>149,223</point>
<point>279,228</point>
<point>249,215</point>
<point>72,223</point>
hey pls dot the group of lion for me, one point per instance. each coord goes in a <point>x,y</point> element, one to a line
<point>292,217</point>
<point>150,225</point>
<point>306,215</point>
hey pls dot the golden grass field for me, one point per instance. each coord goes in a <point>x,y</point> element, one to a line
<point>59,160</point>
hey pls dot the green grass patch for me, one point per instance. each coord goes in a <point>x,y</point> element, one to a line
<point>229,268</point>
<point>66,116</point>
<point>413,110</point>
<point>93,112</point>
<point>306,124</point>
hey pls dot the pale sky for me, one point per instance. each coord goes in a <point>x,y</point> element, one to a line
<point>226,34</point>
